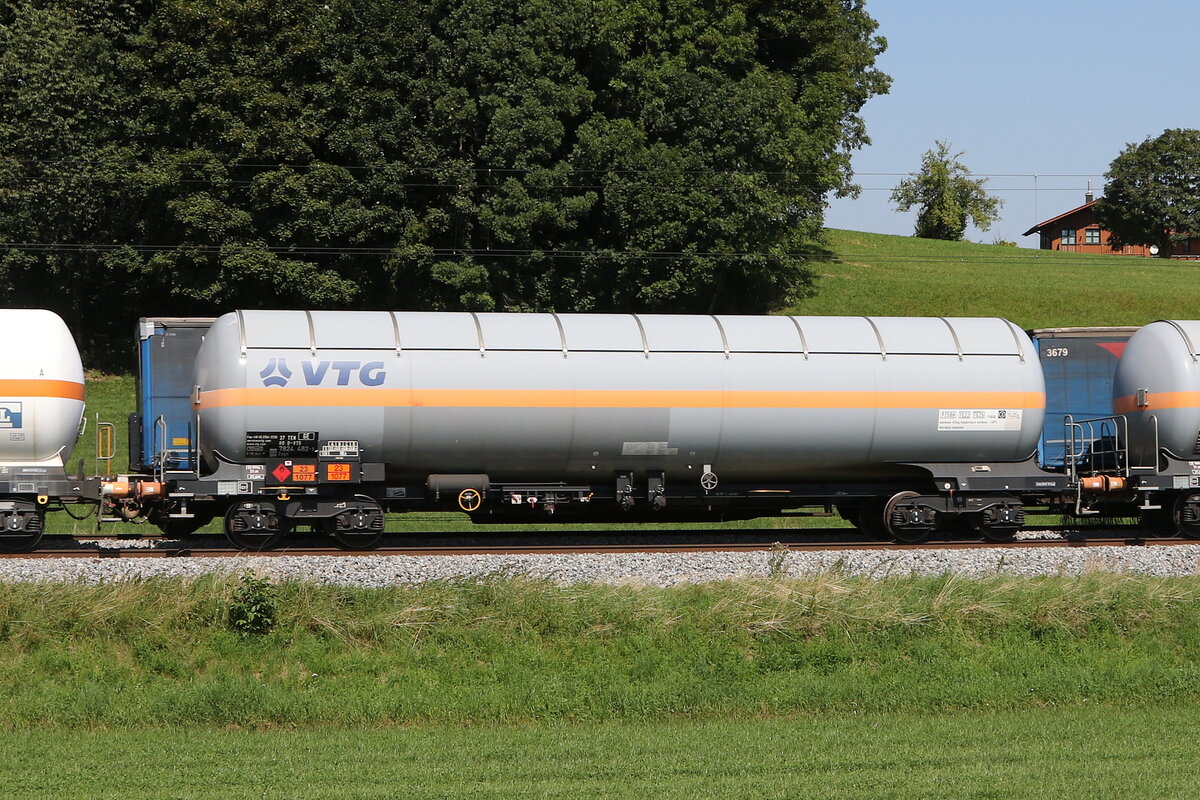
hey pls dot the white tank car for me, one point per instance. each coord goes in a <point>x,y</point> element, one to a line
<point>41,389</point>
<point>1157,388</point>
<point>579,397</point>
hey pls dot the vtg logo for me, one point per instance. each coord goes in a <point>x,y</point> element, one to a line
<point>370,373</point>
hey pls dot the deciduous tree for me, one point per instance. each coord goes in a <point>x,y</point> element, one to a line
<point>946,196</point>
<point>1152,192</point>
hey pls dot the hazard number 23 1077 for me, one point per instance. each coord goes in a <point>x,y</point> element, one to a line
<point>339,472</point>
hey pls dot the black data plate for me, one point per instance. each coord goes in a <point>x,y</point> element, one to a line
<point>293,444</point>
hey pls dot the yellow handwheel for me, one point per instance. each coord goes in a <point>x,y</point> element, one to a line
<point>470,500</point>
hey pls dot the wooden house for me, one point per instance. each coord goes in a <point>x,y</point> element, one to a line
<point>1078,231</point>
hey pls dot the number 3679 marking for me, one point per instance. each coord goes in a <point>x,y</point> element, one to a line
<point>1056,352</point>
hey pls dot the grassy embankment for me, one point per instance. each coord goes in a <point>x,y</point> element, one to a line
<point>823,686</point>
<point>513,650</point>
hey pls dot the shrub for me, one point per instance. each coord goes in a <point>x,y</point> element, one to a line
<point>252,607</point>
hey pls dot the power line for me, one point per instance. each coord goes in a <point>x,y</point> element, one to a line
<point>232,249</point>
<point>543,170</point>
<point>1028,255</point>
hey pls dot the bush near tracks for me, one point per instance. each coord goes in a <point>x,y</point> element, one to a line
<point>510,649</point>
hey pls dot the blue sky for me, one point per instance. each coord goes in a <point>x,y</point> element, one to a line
<point>1055,88</point>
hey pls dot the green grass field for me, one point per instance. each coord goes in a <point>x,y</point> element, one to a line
<point>1087,752</point>
<point>825,687</point>
<point>875,274</point>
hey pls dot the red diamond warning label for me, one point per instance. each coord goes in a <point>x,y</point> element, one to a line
<point>281,472</point>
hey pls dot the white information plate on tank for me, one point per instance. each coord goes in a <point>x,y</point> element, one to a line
<point>979,419</point>
<point>648,449</point>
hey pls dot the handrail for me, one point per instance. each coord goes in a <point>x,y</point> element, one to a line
<point>105,445</point>
<point>1099,444</point>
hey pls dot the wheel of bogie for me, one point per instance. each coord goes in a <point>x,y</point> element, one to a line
<point>1186,514</point>
<point>908,535</point>
<point>997,523</point>
<point>22,530</point>
<point>989,533</point>
<point>255,526</point>
<point>356,528</point>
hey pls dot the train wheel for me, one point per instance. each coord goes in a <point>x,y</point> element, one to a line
<point>357,528</point>
<point>255,526</point>
<point>22,529</point>
<point>990,533</point>
<point>903,526</point>
<point>998,523</point>
<point>1186,515</point>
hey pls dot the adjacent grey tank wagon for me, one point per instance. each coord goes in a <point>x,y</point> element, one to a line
<point>41,414</point>
<point>1156,394</point>
<point>327,420</point>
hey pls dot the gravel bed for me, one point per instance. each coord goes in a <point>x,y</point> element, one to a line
<point>654,569</point>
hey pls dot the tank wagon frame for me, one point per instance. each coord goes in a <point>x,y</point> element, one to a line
<point>331,419</point>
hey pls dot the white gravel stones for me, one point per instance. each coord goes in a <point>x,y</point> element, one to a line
<point>654,569</point>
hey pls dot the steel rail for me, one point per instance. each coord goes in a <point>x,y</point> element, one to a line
<point>183,550</point>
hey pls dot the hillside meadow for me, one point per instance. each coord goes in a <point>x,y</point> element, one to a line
<point>876,274</point>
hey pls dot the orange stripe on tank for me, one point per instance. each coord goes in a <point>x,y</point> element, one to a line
<point>568,398</point>
<point>1157,401</point>
<point>68,390</point>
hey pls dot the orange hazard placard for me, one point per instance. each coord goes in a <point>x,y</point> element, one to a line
<point>338,472</point>
<point>304,473</point>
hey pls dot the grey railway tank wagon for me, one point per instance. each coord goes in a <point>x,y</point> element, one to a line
<point>41,410</point>
<point>1156,396</point>
<point>329,417</point>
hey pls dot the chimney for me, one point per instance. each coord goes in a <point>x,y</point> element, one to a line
<point>1089,197</point>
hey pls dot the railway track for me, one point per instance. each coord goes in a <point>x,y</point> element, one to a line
<point>593,543</point>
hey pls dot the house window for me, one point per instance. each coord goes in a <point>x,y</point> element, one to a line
<point>1091,236</point>
<point>1187,245</point>
<point>1068,236</point>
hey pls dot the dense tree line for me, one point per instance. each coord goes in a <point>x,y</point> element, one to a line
<point>172,157</point>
